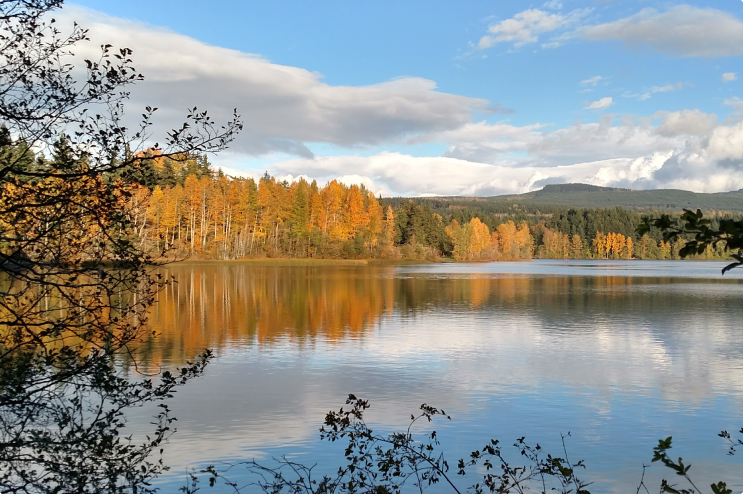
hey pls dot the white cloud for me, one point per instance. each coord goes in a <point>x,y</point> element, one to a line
<point>283,107</point>
<point>729,77</point>
<point>592,81</point>
<point>408,175</point>
<point>400,174</point>
<point>682,30</point>
<point>726,143</point>
<point>686,122</point>
<point>525,27</point>
<point>598,105</point>
<point>689,149</point>
<point>355,179</point>
<point>536,145</point>
<point>736,103</point>
<point>553,5</point>
<point>646,95</point>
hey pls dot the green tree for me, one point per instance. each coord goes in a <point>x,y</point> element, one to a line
<point>76,287</point>
<point>413,220</point>
<point>702,233</point>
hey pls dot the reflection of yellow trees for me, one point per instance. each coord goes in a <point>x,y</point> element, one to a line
<point>226,305</point>
<point>54,294</point>
<point>479,290</point>
<point>215,305</point>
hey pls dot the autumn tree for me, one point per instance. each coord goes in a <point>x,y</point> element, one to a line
<point>357,216</point>
<point>75,279</point>
<point>514,241</point>
<point>576,246</point>
<point>507,238</point>
<point>599,245</point>
<point>460,238</point>
<point>665,249</point>
<point>479,237</point>
<point>376,222</point>
<point>556,244</point>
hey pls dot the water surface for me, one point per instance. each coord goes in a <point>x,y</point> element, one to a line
<point>618,353</point>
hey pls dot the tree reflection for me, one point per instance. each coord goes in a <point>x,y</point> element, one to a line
<point>219,306</point>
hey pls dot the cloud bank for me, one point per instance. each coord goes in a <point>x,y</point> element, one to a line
<point>283,107</point>
<point>288,109</point>
<point>688,150</point>
<point>683,30</point>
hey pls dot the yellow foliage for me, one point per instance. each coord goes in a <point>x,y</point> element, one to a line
<point>479,236</point>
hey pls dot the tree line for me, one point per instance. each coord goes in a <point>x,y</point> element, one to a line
<point>178,203</point>
<point>184,205</point>
<point>79,222</point>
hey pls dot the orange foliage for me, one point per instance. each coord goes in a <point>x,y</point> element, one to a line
<point>232,217</point>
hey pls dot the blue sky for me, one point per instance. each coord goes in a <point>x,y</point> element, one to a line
<point>474,98</point>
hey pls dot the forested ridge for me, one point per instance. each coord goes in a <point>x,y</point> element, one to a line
<point>592,197</point>
<point>181,206</point>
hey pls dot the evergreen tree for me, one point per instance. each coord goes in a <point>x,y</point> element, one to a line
<point>16,155</point>
<point>166,175</point>
<point>63,156</point>
<point>300,211</point>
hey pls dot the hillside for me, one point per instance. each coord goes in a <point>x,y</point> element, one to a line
<point>591,196</point>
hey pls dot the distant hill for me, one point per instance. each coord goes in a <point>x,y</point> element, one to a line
<point>592,196</point>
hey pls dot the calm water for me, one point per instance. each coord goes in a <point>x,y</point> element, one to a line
<point>618,353</point>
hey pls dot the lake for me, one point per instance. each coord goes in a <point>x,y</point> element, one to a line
<point>618,353</point>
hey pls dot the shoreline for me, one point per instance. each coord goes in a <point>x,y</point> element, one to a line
<point>305,262</point>
<point>288,262</point>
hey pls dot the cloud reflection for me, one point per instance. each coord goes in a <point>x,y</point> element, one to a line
<point>539,351</point>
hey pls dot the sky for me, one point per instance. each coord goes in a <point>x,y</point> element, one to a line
<point>447,98</point>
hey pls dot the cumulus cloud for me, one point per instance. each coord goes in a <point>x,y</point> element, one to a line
<point>598,105</point>
<point>404,175</point>
<point>541,145</point>
<point>525,27</point>
<point>736,104</point>
<point>729,77</point>
<point>592,81</point>
<point>483,142</point>
<point>409,175</point>
<point>689,149</point>
<point>283,107</point>
<point>682,30</point>
<point>686,123</point>
<point>726,144</point>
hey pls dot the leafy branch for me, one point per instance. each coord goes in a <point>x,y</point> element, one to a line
<point>694,224</point>
<point>390,463</point>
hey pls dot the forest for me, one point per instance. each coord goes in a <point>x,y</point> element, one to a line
<point>179,205</point>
